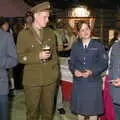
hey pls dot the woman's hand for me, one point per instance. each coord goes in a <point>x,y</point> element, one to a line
<point>77,73</point>
<point>87,73</point>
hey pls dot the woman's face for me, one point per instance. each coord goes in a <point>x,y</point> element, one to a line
<point>5,26</point>
<point>29,20</point>
<point>85,31</point>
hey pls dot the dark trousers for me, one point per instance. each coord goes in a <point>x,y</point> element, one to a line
<point>3,107</point>
<point>117,111</point>
<point>40,97</point>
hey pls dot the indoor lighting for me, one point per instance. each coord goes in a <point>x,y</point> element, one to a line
<point>81,11</point>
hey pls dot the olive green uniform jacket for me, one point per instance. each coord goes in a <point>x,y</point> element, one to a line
<point>29,45</point>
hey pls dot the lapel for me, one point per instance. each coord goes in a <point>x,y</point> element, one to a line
<point>41,40</point>
<point>47,39</point>
<point>37,38</point>
<point>90,44</point>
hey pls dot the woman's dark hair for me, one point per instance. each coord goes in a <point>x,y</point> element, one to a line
<point>2,21</point>
<point>28,14</point>
<point>80,23</point>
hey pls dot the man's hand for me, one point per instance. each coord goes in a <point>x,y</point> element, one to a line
<point>44,55</point>
<point>116,82</point>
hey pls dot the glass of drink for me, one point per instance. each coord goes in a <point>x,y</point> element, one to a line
<point>47,50</point>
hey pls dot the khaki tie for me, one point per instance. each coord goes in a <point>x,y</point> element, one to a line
<point>41,34</point>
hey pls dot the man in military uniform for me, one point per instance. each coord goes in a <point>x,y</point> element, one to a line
<point>41,67</point>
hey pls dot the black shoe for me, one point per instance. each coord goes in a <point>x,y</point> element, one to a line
<point>11,93</point>
<point>61,111</point>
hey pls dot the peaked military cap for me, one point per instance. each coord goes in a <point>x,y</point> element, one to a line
<point>40,7</point>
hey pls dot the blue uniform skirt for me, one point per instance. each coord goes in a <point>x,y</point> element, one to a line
<point>87,97</point>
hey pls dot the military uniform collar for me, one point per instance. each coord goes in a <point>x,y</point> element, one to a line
<point>37,30</point>
<point>89,45</point>
<point>36,35</point>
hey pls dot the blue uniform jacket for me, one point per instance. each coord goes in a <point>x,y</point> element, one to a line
<point>93,57</point>
<point>114,71</point>
<point>8,59</point>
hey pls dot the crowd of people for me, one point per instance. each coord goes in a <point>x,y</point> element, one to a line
<point>37,46</point>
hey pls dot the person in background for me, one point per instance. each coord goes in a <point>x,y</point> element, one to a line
<point>65,37</point>
<point>114,75</point>
<point>36,48</point>
<point>57,35</point>
<point>8,59</point>
<point>6,27</point>
<point>59,104</point>
<point>59,96</point>
<point>113,39</point>
<point>28,18</point>
<point>88,60</point>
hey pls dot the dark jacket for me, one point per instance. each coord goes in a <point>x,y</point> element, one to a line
<point>8,59</point>
<point>114,71</point>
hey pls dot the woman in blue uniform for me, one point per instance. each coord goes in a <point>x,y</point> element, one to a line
<point>88,60</point>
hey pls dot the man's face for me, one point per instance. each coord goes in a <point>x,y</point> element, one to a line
<point>41,18</point>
